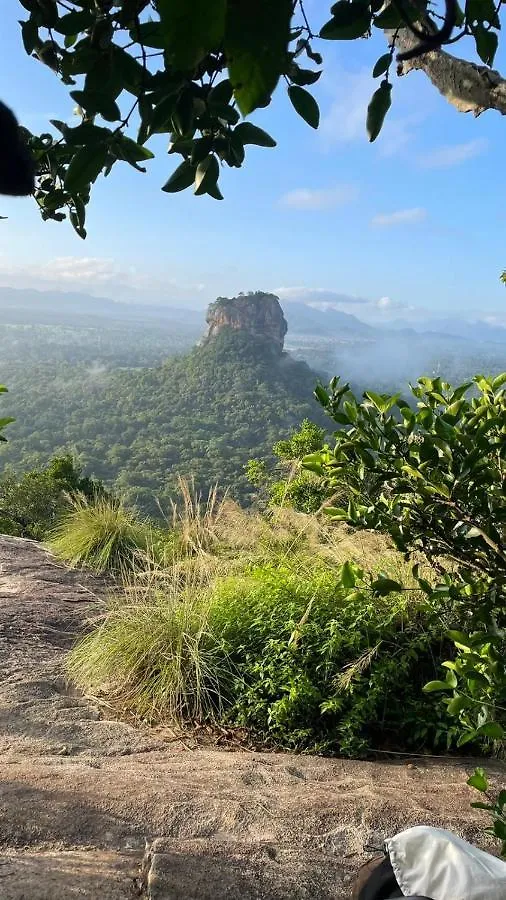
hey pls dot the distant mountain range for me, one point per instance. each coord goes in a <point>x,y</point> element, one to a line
<point>477,331</point>
<point>28,305</point>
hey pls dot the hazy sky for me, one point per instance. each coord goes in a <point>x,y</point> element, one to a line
<point>414,222</point>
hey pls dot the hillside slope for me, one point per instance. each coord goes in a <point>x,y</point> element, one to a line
<point>202,415</point>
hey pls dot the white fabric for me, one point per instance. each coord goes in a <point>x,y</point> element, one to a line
<point>438,864</point>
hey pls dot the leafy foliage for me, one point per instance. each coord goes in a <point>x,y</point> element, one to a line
<point>287,484</point>
<point>6,420</point>
<point>433,478</point>
<point>324,667</point>
<point>31,504</point>
<point>302,653</point>
<point>496,807</point>
<point>188,69</point>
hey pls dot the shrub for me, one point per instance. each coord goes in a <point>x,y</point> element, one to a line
<point>286,650</point>
<point>431,475</point>
<point>32,503</point>
<point>102,535</point>
<point>322,667</point>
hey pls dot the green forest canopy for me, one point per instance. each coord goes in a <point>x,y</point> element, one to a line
<point>202,415</point>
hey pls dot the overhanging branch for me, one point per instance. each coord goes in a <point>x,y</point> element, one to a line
<point>468,87</point>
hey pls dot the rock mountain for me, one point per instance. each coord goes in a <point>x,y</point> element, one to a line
<point>257,314</point>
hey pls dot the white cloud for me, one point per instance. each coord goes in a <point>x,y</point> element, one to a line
<point>400,217</point>
<point>386,304</point>
<point>322,198</point>
<point>99,276</point>
<point>500,320</point>
<point>318,297</point>
<point>453,154</point>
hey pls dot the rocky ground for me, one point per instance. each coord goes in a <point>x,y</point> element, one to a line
<point>92,807</point>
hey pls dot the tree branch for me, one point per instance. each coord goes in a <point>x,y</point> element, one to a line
<point>468,87</point>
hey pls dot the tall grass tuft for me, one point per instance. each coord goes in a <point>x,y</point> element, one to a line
<point>102,535</point>
<point>155,658</point>
<point>194,517</point>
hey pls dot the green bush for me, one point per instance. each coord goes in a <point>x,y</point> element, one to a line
<point>431,475</point>
<point>102,535</point>
<point>287,651</point>
<point>321,668</point>
<point>31,504</point>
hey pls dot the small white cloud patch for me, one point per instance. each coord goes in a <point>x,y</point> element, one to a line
<point>320,198</point>
<point>453,155</point>
<point>400,217</point>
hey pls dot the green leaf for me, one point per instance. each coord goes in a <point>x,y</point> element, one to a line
<point>384,586</point>
<point>478,780</point>
<point>349,21</point>
<point>74,22</point>
<point>96,102</point>
<point>85,134</point>
<point>321,395</point>
<point>207,175</point>
<point>382,65</point>
<point>251,134</point>
<point>482,11</point>
<point>131,70</point>
<point>127,149</point>
<point>150,34</point>
<point>435,686</point>
<point>182,117</point>
<point>85,168</point>
<point>191,29</point>
<point>49,11</point>
<point>335,512</point>
<point>457,704</point>
<point>257,36</point>
<point>491,730</point>
<point>180,179</point>
<point>347,576</point>
<point>500,829</point>
<point>389,17</point>
<point>302,76</point>
<point>214,192</point>
<point>305,104</point>
<point>381,102</point>
<point>161,117</point>
<point>498,381</point>
<point>30,36</point>
<point>460,638</point>
<point>466,738</point>
<point>220,93</point>
<point>451,679</point>
<point>486,44</point>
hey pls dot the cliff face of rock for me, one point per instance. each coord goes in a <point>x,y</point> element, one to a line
<point>257,314</point>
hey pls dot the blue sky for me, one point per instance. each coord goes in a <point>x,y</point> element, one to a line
<point>413,224</point>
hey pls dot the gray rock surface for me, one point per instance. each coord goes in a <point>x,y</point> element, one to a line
<point>257,314</point>
<point>92,807</point>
